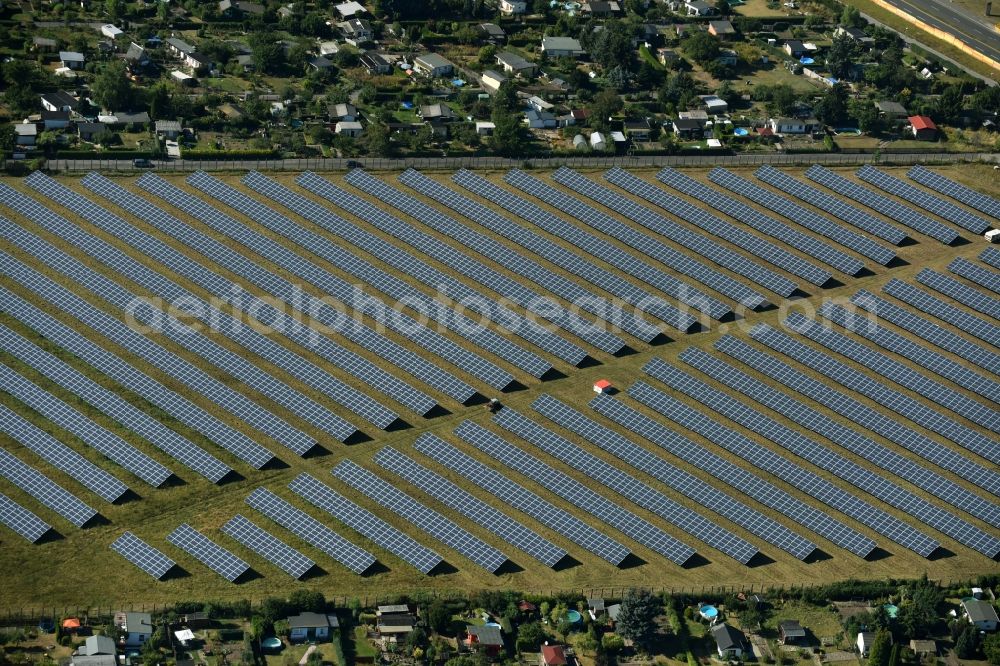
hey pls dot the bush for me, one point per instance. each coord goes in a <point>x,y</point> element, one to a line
<point>197,154</point>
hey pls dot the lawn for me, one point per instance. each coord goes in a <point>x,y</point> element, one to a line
<point>759,9</point>
<point>820,622</point>
<point>362,646</point>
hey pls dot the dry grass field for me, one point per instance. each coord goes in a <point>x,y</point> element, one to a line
<point>80,570</point>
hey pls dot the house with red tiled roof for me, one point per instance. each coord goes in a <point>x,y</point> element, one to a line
<point>552,655</point>
<point>923,128</point>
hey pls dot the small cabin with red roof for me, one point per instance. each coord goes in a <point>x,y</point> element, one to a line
<point>923,128</point>
<point>602,386</point>
<point>552,655</point>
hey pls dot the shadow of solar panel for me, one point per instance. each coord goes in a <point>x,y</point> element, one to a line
<point>522,499</point>
<point>846,437</point>
<point>271,548</point>
<point>363,270</point>
<point>689,240</point>
<point>57,454</point>
<point>128,376</point>
<point>428,520</point>
<point>802,216</point>
<point>310,530</point>
<point>611,253</point>
<point>22,521</point>
<point>929,202</point>
<point>766,460</point>
<point>718,227</point>
<point>366,523</point>
<point>142,555</point>
<point>683,482</point>
<point>963,321</point>
<point>470,506</point>
<point>890,428</point>
<point>45,490</point>
<point>435,309</point>
<point>829,204</point>
<point>970,197</point>
<point>984,278</point>
<point>754,219</point>
<point>209,553</point>
<point>572,262</point>
<point>882,204</point>
<point>458,261</point>
<point>856,474</point>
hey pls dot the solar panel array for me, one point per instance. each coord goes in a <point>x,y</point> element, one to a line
<point>929,202</point>
<point>689,240</point>
<point>470,506</point>
<point>365,523</point>
<point>22,521</point>
<point>458,261</point>
<point>981,276</point>
<point>750,519</point>
<point>898,402</point>
<point>271,548</point>
<point>857,474</point>
<point>802,216</point>
<point>718,227</point>
<point>889,207</point>
<point>331,285</point>
<point>429,520</point>
<point>631,488</point>
<point>991,256</point>
<point>55,453</point>
<point>832,205</point>
<point>179,407</point>
<point>97,437</point>
<point>846,437</point>
<point>436,310</point>
<point>750,216</point>
<point>984,203</point>
<point>573,262</point>
<point>804,514</point>
<point>43,489</point>
<point>348,262</point>
<point>596,245</point>
<point>310,530</point>
<point>209,553</point>
<point>959,291</point>
<point>946,312</point>
<point>523,500</point>
<point>513,289</point>
<point>142,555</point>
<point>766,460</point>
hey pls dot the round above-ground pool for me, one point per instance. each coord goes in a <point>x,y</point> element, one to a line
<point>892,610</point>
<point>574,616</point>
<point>271,643</point>
<point>741,131</point>
<point>709,612</point>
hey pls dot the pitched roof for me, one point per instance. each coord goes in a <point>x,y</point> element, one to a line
<point>26,129</point>
<point>313,621</point>
<point>513,60</point>
<point>722,27</point>
<point>168,126</point>
<point>96,660</point>
<point>180,45</point>
<point>492,29</point>
<point>43,41</point>
<point>922,123</point>
<point>980,611</point>
<point>485,635</point>
<point>350,8</point>
<point>792,628</point>
<point>727,637</point>
<point>60,98</point>
<point>95,645</point>
<point>889,106</point>
<point>561,44</point>
<point>432,60</point>
<point>373,61</point>
<point>71,56</point>
<point>138,622</point>
<point>553,655</point>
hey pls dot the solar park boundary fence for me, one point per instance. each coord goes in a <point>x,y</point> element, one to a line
<point>886,157</point>
<point>26,617</point>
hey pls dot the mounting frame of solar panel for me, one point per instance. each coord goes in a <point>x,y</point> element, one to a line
<point>753,218</point>
<point>143,385</point>
<point>946,312</point>
<point>271,548</point>
<point>209,553</point>
<point>21,520</point>
<point>970,197</point>
<point>889,207</point>
<point>142,555</point>
<point>45,490</point>
<point>857,474</point>
<point>354,330</point>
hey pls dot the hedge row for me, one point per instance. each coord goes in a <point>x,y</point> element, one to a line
<point>103,155</point>
<point>228,154</point>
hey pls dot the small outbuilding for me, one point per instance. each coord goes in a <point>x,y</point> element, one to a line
<point>790,632</point>
<point>312,626</point>
<point>923,128</point>
<point>981,613</point>
<point>602,386</point>
<point>730,642</point>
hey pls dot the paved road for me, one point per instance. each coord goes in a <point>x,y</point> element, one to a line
<point>975,30</point>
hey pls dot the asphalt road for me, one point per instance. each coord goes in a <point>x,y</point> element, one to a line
<point>974,30</point>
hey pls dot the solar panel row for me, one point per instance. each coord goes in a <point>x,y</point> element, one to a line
<point>264,312</point>
<point>172,293</point>
<point>179,407</point>
<point>750,519</point>
<point>846,437</point>
<point>271,548</point>
<point>959,291</point>
<point>970,197</point>
<point>596,245</point>
<point>330,315</point>
<point>832,205</point>
<point>946,312</point>
<point>21,520</point>
<point>715,225</point>
<point>981,276</point>
<point>209,553</point>
<point>142,555</point>
<point>348,262</point>
<point>929,202</point>
<point>802,216</point>
<point>43,489</point>
<point>768,461</point>
<point>889,207</point>
<point>513,289</point>
<point>460,262</point>
<point>689,240</point>
<point>856,474</point>
<point>900,403</point>
<point>750,216</point>
<point>991,256</point>
<point>522,499</point>
<point>636,296</point>
<point>435,309</point>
